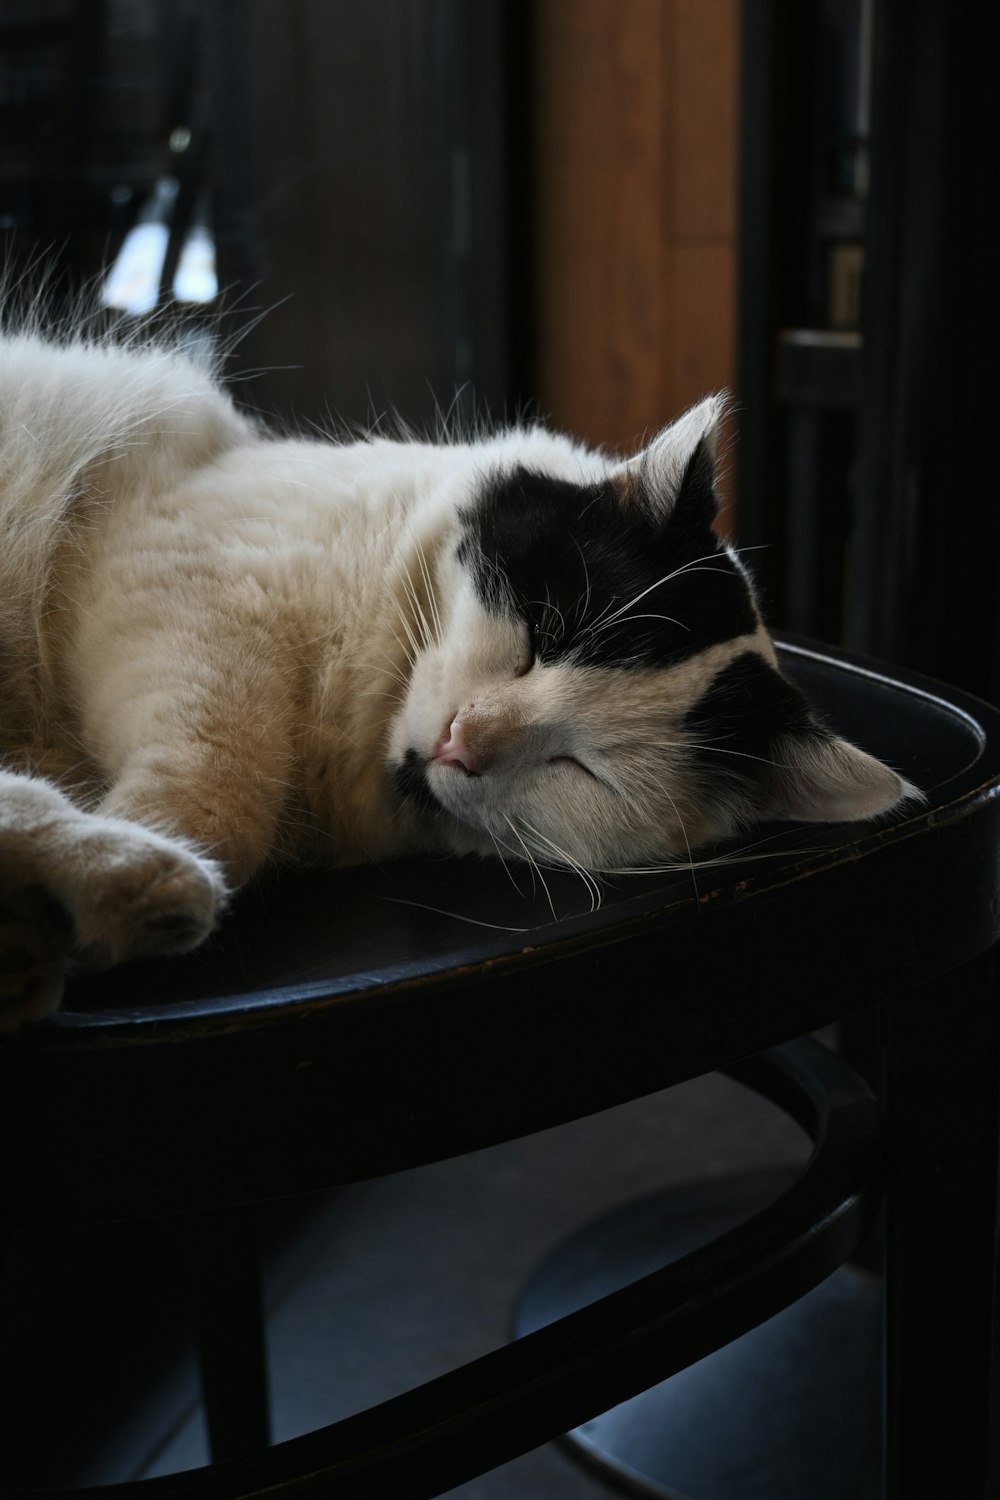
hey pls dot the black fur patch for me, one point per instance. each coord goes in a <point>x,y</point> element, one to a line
<point>412,785</point>
<point>737,722</point>
<point>603,579</point>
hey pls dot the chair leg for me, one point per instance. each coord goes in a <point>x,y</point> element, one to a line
<point>222,1255</point>
<point>942,1098</point>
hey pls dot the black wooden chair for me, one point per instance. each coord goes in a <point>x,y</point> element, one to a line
<point>333,1031</point>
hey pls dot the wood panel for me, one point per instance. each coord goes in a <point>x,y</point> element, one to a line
<point>636,210</point>
<point>601,203</point>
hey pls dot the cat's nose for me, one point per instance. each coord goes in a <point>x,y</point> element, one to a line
<point>453,749</point>
<point>483,736</point>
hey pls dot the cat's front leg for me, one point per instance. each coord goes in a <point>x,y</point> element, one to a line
<point>194,735</point>
<point>80,887</point>
<point>220,787</point>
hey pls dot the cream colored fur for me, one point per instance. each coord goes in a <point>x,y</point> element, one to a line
<point>215,644</point>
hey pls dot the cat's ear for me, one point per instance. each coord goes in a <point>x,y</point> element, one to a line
<point>820,778</point>
<point>677,469</point>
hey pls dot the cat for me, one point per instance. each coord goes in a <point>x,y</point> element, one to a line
<point>222,648</point>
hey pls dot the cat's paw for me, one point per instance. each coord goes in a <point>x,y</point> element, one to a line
<point>142,893</point>
<point>81,889</point>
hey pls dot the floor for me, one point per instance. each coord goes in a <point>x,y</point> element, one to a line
<point>369,1290</point>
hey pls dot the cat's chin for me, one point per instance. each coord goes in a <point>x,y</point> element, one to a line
<point>413,783</point>
<point>441,828</point>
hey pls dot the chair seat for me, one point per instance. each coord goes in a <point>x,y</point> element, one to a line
<point>344,1025</point>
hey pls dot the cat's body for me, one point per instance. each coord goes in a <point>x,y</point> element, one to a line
<point>219,648</point>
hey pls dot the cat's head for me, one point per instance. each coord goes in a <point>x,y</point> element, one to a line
<point>601,691</point>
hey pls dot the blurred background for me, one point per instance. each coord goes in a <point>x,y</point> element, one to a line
<point>591,211</point>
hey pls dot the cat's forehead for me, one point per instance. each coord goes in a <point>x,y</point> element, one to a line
<point>600,579</point>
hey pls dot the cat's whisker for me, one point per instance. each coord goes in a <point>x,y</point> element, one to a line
<point>604,620</point>
<point>694,565</point>
<point>497,575</point>
<point>380,688</point>
<point>567,859</point>
<point>625,609</point>
<point>704,745</point>
<point>583,600</point>
<point>691,568</point>
<point>627,620</point>
<point>405,650</point>
<point>416,603</point>
<point>684,836</point>
<point>598,618</point>
<point>743,855</point>
<point>499,847</point>
<point>457,916</point>
<point>523,854</point>
<point>549,610</point>
<point>553,609</point>
<point>409,591</point>
<point>534,864</point>
<point>392,670</point>
<point>758,547</point>
<point>631,799</point>
<point>431,591</point>
<point>420,609</point>
<point>413,652</point>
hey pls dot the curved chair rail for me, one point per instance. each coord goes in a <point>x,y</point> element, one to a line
<point>489,1411</point>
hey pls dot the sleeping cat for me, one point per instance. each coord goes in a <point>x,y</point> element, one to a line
<point>221,648</point>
